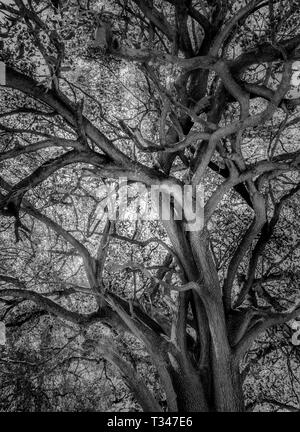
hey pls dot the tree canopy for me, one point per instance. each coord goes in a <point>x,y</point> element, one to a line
<point>162,314</point>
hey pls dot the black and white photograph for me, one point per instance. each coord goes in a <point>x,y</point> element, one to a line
<point>149,209</point>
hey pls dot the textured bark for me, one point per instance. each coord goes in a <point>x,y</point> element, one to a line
<point>199,373</point>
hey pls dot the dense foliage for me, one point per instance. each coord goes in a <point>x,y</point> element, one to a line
<point>123,314</point>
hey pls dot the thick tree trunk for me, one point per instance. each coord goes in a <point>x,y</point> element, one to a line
<point>227,394</point>
<point>212,383</point>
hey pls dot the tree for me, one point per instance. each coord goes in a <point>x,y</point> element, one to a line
<point>43,369</point>
<point>179,93</point>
